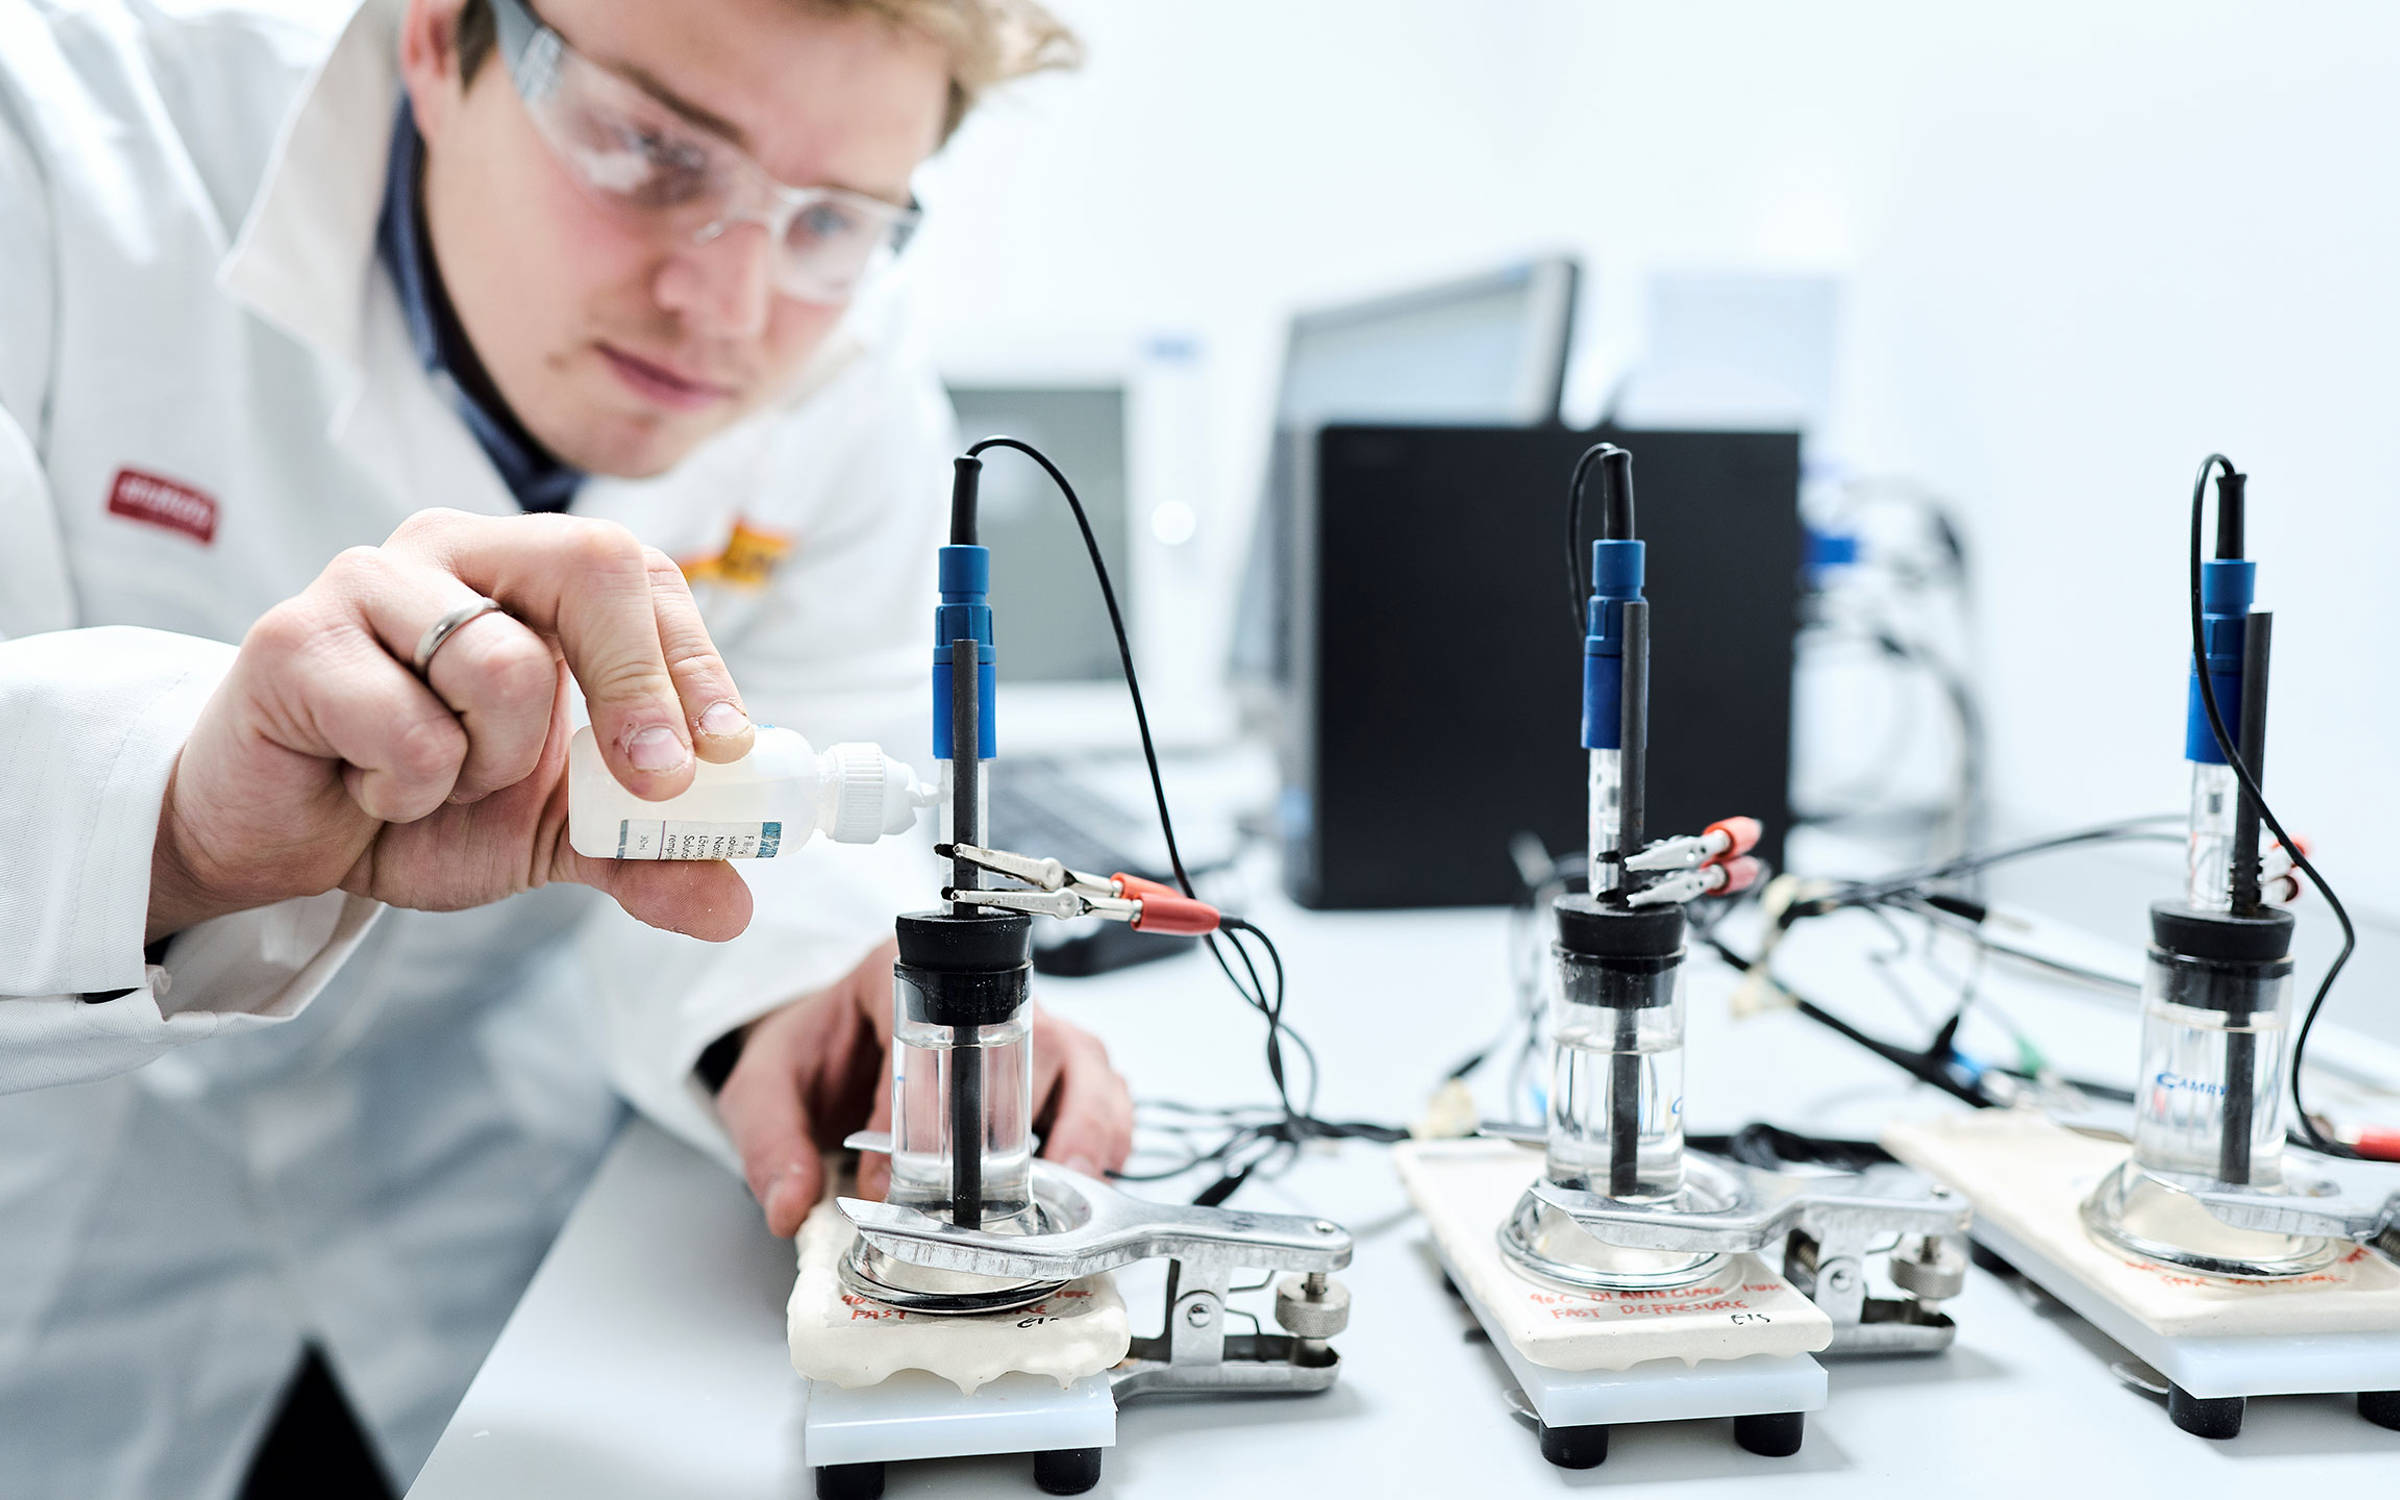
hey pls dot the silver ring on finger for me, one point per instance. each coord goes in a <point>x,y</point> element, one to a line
<point>447,626</point>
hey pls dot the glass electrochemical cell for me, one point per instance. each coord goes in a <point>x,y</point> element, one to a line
<point>962,1070</point>
<point>2214,1044</point>
<point>927,1060</point>
<point>2208,1105</point>
<point>1616,1081</point>
<point>1614,1014</point>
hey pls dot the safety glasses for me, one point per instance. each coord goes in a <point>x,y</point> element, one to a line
<point>636,153</point>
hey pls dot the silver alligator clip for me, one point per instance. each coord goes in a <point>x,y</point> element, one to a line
<point>1064,903</point>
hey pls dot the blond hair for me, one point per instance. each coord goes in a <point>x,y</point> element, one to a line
<point>989,42</point>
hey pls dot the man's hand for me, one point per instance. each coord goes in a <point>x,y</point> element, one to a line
<point>820,1068</point>
<point>323,762</point>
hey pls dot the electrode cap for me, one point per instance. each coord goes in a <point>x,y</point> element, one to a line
<point>944,943</point>
<point>1590,930</point>
<point>2221,936</point>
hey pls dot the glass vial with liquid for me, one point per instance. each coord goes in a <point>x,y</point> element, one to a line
<point>1616,1022</point>
<point>962,1070</point>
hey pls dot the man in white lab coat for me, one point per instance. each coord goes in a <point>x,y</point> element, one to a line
<point>266,296</point>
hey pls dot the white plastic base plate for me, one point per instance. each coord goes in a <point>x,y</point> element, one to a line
<point>1660,1391</point>
<point>915,1415</point>
<point>2027,1179</point>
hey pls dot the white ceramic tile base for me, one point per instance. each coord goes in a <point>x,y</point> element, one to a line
<point>840,1337</point>
<point>2027,1180</point>
<point>1742,1310</point>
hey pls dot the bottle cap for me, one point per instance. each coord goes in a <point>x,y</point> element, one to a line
<point>873,794</point>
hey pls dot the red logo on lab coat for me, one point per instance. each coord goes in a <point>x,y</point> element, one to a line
<point>163,502</point>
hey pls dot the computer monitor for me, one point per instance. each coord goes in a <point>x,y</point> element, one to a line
<point>1733,349</point>
<point>1438,668</point>
<point>1488,349</point>
<point>1053,626</point>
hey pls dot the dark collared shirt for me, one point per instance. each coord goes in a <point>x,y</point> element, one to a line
<point>537,480</point>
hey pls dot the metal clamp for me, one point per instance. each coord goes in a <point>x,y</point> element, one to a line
<point>1101,1229</point>
<point>2325,1214</point>
<point>1824,1224</point>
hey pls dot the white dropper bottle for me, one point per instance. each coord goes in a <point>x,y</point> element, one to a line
<point>768,802</point>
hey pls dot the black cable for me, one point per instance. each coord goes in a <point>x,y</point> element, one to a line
<point>2258,799</point>
<point>1960,693</point>
<point>1957,685</point>
<point>1907,882</point>
<point>1970,927</point>
<point>1856,796</point>
<point>1298,1123</point>
<point>1578,586</point>
<point>1925,1066</point>
<point>1771,1148</point>
<point>1116,623</point>
<point>1931,1064</point>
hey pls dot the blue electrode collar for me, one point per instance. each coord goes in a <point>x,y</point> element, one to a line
<point>965,610</point>
<point>2226,589</point>
<point>1616,578</point>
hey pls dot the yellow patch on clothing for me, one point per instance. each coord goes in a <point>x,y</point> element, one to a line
<point>750,555</point>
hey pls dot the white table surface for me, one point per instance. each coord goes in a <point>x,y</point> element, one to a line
<point>647,1358</point>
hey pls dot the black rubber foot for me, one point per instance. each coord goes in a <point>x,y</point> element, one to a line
<point>1575,1447</point>
<point>2208,1417</point>
<point>1771,1434</point>
<point>1066,1471</point>
<point>1984,1258</point>
<point>850,1482</point>
<point>2381,1408</point>
<point>1452,1287</point>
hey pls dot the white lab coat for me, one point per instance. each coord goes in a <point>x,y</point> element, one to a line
<point>393,1110</point>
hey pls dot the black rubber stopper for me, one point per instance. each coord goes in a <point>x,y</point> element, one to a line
<point>1575,1447</point>
<point>1771,1434</point>
<point>850,1482</point>
<point>2205,1416</point>
<point>1590,930</point>
<point>2220,936</point>
<point>965,971</point>
<point>979,944</point>
<point>1066,1471</point>
<point>2381,1408</point>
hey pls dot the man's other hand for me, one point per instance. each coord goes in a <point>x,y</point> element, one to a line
<point>820,1068</point>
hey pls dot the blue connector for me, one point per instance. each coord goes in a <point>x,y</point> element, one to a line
<point>965,610</point>
<point>1823,549</point>
<point>2226,588</point>
<point>1616,578</point>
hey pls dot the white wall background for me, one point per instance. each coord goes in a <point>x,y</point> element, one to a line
<point>2082,245</point>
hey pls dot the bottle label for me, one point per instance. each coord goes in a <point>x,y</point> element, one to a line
<point>668,838</point>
